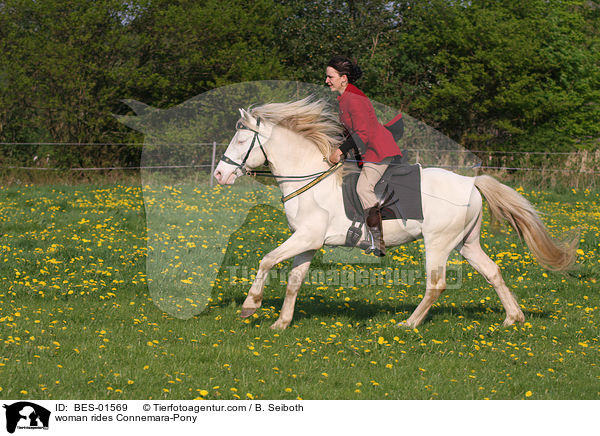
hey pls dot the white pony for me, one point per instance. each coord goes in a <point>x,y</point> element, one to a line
<point>295,137</point>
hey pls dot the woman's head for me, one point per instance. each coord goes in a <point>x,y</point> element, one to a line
<point>341,71</point>
<point>345,66</point>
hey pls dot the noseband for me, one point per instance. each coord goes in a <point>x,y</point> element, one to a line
<point>256,138</point>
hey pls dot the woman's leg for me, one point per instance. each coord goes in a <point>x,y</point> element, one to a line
<point>369,176</point>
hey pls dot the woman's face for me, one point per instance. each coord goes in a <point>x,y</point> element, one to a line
<point>335,82</point>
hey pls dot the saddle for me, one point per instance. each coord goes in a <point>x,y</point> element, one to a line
<point>398,191</point>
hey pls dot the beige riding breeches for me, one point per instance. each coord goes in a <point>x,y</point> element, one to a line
<point>369,176</point>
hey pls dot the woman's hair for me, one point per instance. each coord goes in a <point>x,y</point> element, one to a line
<point>343,65</point>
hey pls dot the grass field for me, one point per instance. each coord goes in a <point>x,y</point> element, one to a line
<point>80,316</point>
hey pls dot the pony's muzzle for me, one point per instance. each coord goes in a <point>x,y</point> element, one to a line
<point>225,177</point>
<point>219,176</point>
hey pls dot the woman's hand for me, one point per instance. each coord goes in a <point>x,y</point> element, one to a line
<point>335,156</point>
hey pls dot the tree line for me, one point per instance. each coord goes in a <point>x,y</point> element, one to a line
<point>490,74</point>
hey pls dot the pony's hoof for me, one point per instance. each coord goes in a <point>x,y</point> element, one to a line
<point>278,325</point>
<point>409,324</point>
<point>247,313</point>
<point>520,318</point>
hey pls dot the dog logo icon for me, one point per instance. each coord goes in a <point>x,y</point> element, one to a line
<point>26,415</point>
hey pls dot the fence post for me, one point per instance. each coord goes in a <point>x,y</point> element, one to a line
<point>212,163</point>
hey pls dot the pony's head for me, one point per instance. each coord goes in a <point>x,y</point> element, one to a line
<point>309,118</point>
<point>246,149</point>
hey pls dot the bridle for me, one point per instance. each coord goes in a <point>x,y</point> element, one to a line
<point>242,166</point>
<point>317,177</point>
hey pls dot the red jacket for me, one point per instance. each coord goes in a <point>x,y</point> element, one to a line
<point>358,116</point>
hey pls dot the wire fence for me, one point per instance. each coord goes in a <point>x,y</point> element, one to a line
<point>205,157</point>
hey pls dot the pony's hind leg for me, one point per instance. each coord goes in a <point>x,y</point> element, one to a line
<point>295,279</point>
<point>472,251</point>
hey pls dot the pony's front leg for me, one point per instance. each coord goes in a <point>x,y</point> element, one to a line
<point>295,279</point>
<point>299,242</point>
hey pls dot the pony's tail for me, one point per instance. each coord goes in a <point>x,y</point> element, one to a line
<point>507,204</point>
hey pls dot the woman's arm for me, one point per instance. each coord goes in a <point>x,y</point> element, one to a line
<point>359,110</point>
<point>343,149</point>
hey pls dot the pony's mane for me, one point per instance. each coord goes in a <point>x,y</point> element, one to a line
<point>311,118</point>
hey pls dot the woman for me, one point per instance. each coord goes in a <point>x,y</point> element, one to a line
<point>375,142</point>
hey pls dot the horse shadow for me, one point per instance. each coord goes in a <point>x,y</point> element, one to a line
<point>262,231</point>
<point>361,311</point>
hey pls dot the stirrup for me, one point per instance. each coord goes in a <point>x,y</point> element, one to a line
<point>372,248</point>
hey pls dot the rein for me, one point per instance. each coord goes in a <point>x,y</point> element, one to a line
<point>319,176</point>
<point>313,183</point>
<point>268,173</point>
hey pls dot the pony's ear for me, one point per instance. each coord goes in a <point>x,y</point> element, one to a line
<point>245,115</point>
<point>242,112</point>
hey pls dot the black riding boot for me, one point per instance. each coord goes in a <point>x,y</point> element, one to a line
<point>373,220</point>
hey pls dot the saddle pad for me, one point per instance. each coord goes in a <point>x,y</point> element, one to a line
<point>400,188</point>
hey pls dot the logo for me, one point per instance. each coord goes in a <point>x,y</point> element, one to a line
<point>26,415</point>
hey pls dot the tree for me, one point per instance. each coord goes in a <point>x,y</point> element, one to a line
<point>501,73</point>
<point>186,47</point>
<point>487,73</point>
<point>315,31</point>
<point>66,65</point>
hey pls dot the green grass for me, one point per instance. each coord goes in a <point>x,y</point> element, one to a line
<point>78,318</point>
